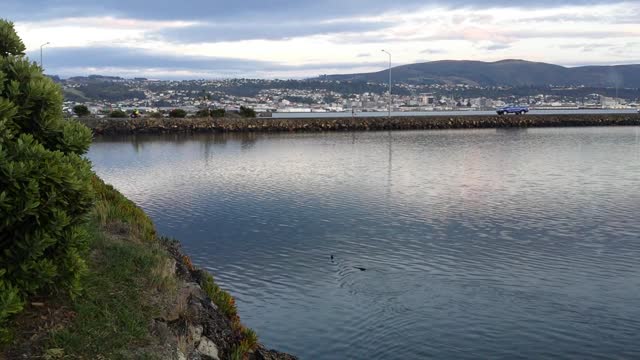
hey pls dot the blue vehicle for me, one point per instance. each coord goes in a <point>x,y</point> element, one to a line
<point>518,110</point>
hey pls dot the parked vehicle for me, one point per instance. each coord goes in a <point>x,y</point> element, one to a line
<point>518,110</point>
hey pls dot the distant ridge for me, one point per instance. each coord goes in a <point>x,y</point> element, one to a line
<point>509,72</point>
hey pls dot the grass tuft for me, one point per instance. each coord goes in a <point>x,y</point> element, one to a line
<point>223,300</point>
<point>113,207</point>
<point>250,337</point>
<point>240,351</point>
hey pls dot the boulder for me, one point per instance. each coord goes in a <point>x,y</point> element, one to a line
<point>208,349</point>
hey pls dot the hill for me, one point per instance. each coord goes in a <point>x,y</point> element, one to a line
<point>504,73</point>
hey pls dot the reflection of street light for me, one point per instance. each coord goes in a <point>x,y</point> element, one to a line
<point>388,53</point>
<point>41,46</point>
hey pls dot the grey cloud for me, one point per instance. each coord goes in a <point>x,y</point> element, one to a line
<point>72,61</point>
<point>595,34</point>
<point>101,57</point>
<point>218,32</point>
<point>495,47</point>
<point>498,36</point>
<point>432,51</point>
<point>599,63</point>
<point>242,11</point>
<point>629,17</point>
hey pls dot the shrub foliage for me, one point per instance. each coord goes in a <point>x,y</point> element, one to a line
<point>247,112</point>
<point>118,114</point>
<point>177,113</point>
<point>210,113</point>
<point>81,110</point>
<point>45,183</point>
<point>202,113</point>
<point>218,112</point>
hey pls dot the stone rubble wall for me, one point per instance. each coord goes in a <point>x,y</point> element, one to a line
<point>190,325</point>
<point>167,125</point>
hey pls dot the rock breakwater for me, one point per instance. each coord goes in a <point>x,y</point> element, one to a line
<point>153,126</point>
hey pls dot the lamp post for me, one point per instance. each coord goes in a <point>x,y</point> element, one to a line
<point>388,53</point>
<point>41,46</point>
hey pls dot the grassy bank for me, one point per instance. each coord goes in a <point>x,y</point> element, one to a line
<point>125,272</point>
<point>134,278</point>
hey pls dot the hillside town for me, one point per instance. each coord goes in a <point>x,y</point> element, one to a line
<point>103,95</point>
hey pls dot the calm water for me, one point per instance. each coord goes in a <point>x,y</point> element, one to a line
<point>477,244</point>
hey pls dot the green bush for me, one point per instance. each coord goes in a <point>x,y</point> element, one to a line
<point>81,110</point>
<point>203,113</point>
<point>45,184</point>
<point>210,113</point>
<point>218,112</point>
<point>177,113</point>
<point>118,114</point>
<point>247,112</point>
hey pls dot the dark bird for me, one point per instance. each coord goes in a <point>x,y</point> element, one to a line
<point>331,257</point>
<point>360,268</point>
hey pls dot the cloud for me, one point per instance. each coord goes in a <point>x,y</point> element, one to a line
<point>275,38</point>
<point>223,10</point>
<point>432,51</point>
<point>220,10</point>
<point>219,32</point>
<point>495,46</point>
<point>142,62</point>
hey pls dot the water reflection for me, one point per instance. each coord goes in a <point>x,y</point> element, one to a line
<point>510,244</point>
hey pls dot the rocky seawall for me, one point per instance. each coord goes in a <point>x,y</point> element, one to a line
<point>153,126</point>
<point>192,323</point>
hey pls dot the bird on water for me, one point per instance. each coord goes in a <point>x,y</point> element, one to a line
<point>355,267</point>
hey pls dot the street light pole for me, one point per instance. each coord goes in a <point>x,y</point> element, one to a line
<point>41,46</point>
<point>388,53</point>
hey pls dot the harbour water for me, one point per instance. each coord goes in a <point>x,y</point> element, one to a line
<point>475,243</point>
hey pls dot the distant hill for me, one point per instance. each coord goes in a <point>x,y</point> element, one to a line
<point>504,73</point>
<point>99,87</point>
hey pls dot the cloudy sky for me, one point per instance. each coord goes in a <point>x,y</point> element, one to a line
<point>297,38</point>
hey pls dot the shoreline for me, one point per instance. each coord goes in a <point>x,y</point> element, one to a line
<point>142,293</point>
<point>109,126</point>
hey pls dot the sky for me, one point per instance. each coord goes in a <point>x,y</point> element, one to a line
<point>212,39</point>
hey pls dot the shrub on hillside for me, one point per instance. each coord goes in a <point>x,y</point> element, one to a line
<point>210,113</point>
<point>118,114</point>
<point>218,112</point>
<point>247,112</point>
<point>203,113</point>
<point>45,183</point>
<point>177,113</point>
<point>81,110</point>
